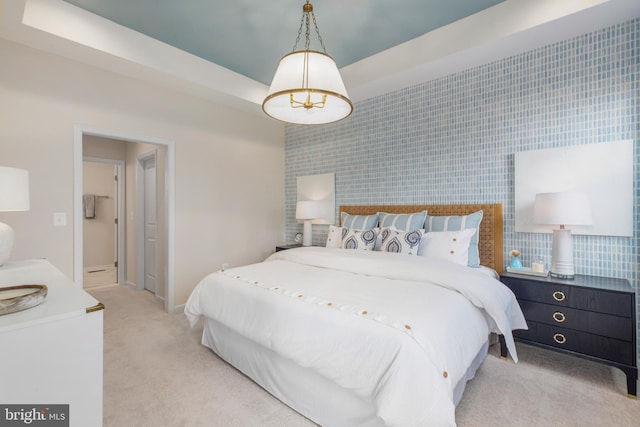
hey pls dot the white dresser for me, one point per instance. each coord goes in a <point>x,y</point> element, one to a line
<point>52,353</point>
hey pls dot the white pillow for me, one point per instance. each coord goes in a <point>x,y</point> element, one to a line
<point>454,223</point>
<point>401,242</point>
<point>359,239</point>
<point>334,238</point>
<point>449,245</point>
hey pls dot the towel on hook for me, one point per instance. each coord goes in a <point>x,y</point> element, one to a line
<point>89,201</point>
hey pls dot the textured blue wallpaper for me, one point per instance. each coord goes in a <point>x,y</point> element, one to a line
<point>453,139</point>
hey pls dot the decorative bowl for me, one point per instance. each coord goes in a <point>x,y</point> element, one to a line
<point>18,298</point>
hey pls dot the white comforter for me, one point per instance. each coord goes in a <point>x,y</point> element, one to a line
<point>400,331</point>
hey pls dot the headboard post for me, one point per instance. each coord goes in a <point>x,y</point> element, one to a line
<point>489,241</point>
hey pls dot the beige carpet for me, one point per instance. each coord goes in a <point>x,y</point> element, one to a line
<point>156,373</point>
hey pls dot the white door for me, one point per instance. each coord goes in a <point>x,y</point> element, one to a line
<point>150,226</point>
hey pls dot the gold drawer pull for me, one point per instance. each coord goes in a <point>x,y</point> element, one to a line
<point>559,317</point>
<point>559,338</point>
<point>559,296</point>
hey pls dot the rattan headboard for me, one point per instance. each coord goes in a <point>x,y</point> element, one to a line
<point>489,242</point>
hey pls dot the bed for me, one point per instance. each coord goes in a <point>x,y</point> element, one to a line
<point>365,337</point>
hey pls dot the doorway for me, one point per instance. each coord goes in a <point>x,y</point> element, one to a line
<point>164,229</point>
<point>102,234</point>
<point>147,218</point>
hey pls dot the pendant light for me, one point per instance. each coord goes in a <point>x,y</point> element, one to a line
<point>307,87</point>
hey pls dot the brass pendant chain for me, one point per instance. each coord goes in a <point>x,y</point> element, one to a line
<point>307,9</point>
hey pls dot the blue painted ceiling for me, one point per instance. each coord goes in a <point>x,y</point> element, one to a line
<point>250,36</point>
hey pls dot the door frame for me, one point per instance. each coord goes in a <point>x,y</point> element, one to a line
<point>79,132</point>
<point>140,217</point>
<point>121,256</point>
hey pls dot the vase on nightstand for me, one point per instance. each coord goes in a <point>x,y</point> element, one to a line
<point>515,263</point>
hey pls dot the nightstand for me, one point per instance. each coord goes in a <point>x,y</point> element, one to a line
<point>285,247</point>
<point>590,317</point>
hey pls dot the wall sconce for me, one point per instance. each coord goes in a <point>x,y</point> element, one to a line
<point>14,196</point>
<point>307,210</point>
<point>562,209</point>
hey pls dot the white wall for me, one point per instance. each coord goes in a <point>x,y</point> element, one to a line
<point>229,165</point>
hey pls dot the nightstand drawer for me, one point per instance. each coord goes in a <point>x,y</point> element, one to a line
<point>598,300</point>
<point>606,325</point>
<point>580,342</point>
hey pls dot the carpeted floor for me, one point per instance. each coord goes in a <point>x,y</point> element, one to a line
<point>156,373</point>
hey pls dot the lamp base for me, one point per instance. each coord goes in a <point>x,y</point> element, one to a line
<point>6,242</point>
<point>562,255</point>
<point>307,234</point>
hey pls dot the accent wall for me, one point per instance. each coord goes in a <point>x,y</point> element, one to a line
<point>453,139</point>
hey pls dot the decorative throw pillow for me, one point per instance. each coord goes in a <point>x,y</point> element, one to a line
<point>449,245</point>
<point>359,239</point>
<point>454,223</point>
<point>402,242</point>
<point>403,222</point>
<point>378,244</point>
<point>359,222</point>
<point>334,238</point>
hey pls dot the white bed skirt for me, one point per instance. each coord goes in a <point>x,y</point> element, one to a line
<point>302,389</point>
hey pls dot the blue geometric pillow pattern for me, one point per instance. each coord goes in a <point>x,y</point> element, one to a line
<point>402,222</point>
<point>359,222</point>
<point>402,242</point>
<point>359,239</point>
<point>452,223</point>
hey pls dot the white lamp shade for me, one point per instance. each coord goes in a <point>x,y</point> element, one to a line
<point>321,77</point>
<point>572,208</point>
<point>308,209</point>
<point>14,189</point>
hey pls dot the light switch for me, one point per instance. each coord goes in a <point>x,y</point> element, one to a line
<point>59,219</point>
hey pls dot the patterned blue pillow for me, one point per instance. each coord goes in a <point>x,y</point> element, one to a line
<point>359,239</point>
<point>402,222</point>
<point>402,242</point>
<point>453,223</point>
<point>359,222</point>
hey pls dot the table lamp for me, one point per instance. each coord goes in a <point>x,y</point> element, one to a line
<point>307,210</point>
<point>14,196</point>
<point>568,208</point>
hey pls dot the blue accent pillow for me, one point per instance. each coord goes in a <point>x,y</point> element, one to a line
<point>453,223</point>
<point>402,222</point>
<point>359,222</point>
